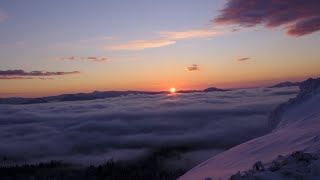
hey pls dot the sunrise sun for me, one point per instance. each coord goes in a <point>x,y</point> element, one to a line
<point>172,90</point>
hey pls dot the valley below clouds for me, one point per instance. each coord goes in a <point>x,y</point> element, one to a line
<point>195,125</point>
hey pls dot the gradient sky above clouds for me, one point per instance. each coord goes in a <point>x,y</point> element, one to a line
<point>149,45</point>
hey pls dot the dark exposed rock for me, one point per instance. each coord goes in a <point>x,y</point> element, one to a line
<point>258,166</point>
<point>236,176</point>
<point>297,165</point>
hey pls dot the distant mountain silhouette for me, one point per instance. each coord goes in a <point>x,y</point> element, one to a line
<point>213,89</point>
<point>93,95</point>
<point>285,84</point>
<point>14,100</point>
<point>35,101</point>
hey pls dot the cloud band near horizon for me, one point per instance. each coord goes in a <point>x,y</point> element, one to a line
<point>98,130</point>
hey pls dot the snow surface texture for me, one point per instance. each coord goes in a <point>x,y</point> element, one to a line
<point>297,130</point>
<point>126,127</point>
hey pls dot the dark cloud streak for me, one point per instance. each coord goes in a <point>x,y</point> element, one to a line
<point>89,58</point>
<point>35,73</point>
<point>244,59</point>
<point>193,67</point>
<point>21,74</point>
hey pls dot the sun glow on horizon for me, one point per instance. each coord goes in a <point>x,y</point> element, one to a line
<point>172,90</point>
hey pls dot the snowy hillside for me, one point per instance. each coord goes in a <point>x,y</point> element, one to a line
<point>297,129</point>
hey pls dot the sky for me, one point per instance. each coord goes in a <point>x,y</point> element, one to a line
<point>53,47</point>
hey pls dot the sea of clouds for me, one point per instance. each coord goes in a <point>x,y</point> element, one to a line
<point>92,132</point>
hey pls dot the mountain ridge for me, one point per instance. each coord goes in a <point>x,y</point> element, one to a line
<point>94,95</point>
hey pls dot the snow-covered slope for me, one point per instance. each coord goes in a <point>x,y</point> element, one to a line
<point>297,129</point>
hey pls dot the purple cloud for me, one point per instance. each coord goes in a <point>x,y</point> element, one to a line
<point>301,17</point>
<point>304,27</point>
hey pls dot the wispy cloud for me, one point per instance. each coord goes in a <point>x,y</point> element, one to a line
<point>166,38</point>
<point>70,58</point>
<point>21,74</point>
<point>302,17</point>
<point>45,78</point>
<point>94,59</point>
<point>198,33</point>
<point>10,77</point>
<point>22,78</point>
<point>193,67</point>
<point>89,58</point>
<point>141,44</point>
<point>244,59</point>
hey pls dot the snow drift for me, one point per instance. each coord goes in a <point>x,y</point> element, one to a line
<point>297,128</point>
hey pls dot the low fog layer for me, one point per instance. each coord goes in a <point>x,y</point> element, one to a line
<point>92,132</point>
